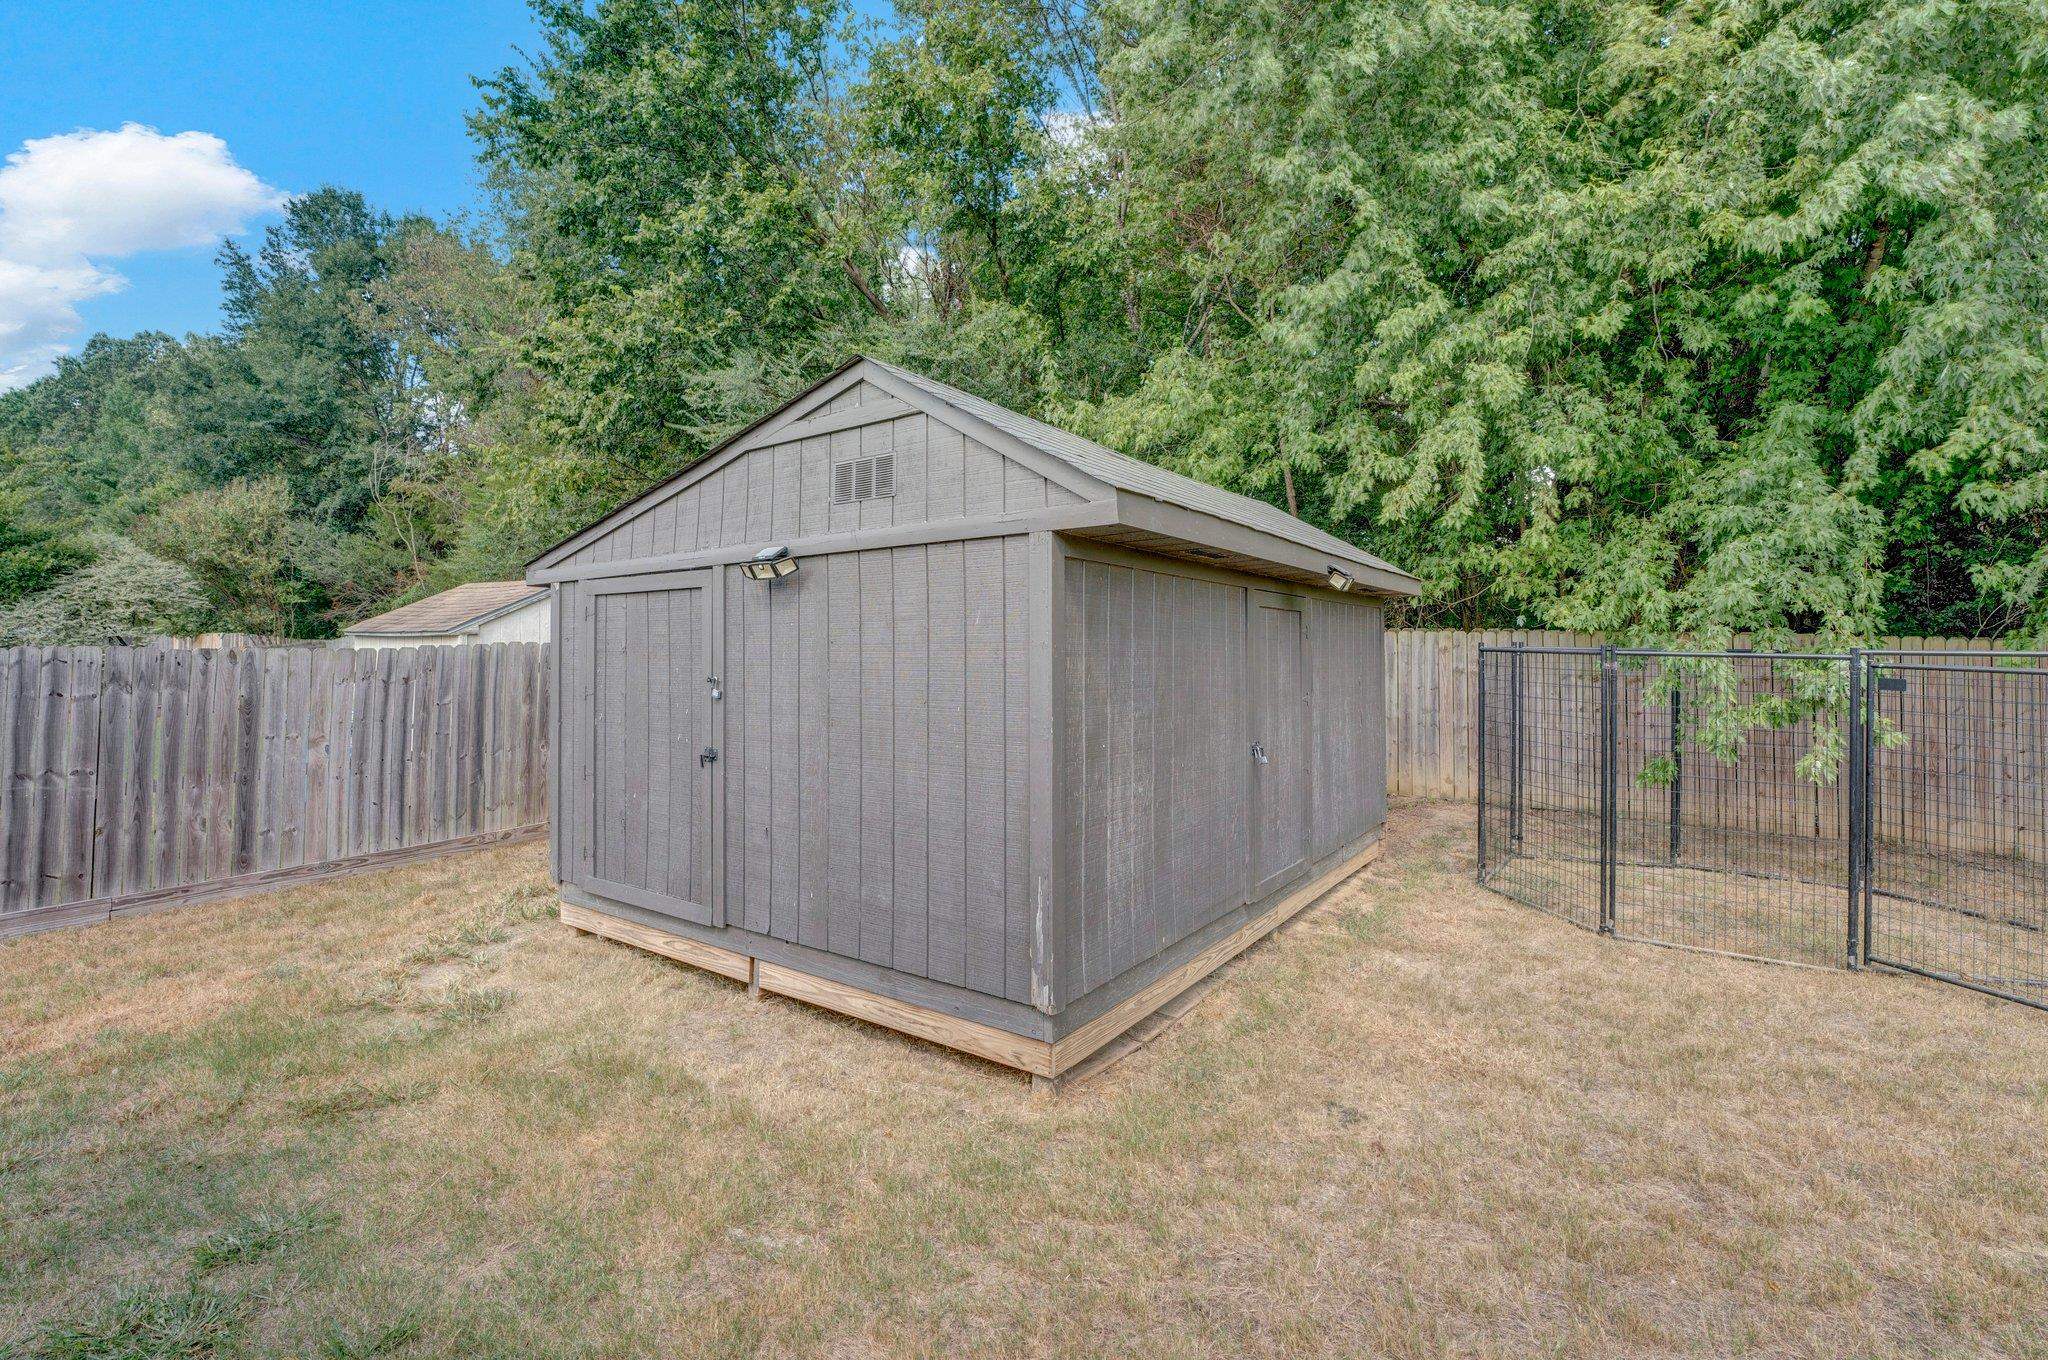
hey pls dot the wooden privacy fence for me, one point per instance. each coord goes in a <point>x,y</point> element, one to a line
<point>1433,700</point>
<point>1433,695</point>
<point>135,777</point>
<point>138,777</point>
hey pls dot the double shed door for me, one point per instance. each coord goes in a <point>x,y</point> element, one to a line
<point>1277,656</point>
<point>651,652</point>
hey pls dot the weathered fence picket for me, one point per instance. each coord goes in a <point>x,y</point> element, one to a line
<point>138,777</point>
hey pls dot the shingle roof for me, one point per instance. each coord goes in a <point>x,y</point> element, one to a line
<point>1141,478</point>
<point>452,610</point>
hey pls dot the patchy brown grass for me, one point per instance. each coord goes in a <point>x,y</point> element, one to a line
<point>411,1115</point>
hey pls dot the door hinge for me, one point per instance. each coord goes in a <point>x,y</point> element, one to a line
<point>709,756</point>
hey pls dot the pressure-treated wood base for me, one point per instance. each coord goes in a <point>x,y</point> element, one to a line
<point>1046,1062</point>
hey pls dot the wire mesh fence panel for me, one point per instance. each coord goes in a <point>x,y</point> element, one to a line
<point>1958,813</point>
<point>1539,779</point>
<point>1889,808</point>
<point>1732,817</point>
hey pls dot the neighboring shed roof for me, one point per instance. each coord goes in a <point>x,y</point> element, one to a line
<point>1141,478</point>
<point>452,611</point>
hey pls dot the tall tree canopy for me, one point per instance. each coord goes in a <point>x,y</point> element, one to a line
<point>1672,319</point>
<point>304,464</point>
<point>1653,318</point>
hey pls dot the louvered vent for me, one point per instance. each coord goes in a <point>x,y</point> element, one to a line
<point>864,479</point>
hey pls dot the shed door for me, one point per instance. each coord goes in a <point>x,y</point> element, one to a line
<point>1279,735</point>
<point>652,649</point>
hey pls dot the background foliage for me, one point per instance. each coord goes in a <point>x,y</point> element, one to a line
<point>1664,319</point>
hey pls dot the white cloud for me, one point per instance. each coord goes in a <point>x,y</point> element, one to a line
<point>38,312</point>
<point>70,203</point>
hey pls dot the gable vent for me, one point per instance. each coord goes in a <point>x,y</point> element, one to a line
<point>864,479</point>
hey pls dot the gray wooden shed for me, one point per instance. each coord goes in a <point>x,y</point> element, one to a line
<point>1033,737</point>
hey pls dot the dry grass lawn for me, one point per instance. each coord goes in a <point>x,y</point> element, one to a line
<point>412,1115</point>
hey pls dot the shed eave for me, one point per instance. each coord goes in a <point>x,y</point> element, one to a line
<point>465,631</point>
<point>531,602</point>
<point>1199,529</point>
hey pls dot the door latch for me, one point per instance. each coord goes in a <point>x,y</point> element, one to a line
<point>1259,753</point>
<point>708,756</point>
<point>716,692</point>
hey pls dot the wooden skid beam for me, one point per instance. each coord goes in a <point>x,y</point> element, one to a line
<point>1043,1060</point>
<point>724,962</point>
<point>1073,1049</point>
<point>983,1041</point>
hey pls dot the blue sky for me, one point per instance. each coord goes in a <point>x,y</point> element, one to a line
<point>366,93</point>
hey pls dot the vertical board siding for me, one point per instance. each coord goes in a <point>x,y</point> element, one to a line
<point>1282,793</point>
<point>985,825</point>
<point>946,817</point>
<point>784,490</point>
<point>1154,794</point>
<point>1347,769</point>
<point>131,772</point>
<point>877,801</point>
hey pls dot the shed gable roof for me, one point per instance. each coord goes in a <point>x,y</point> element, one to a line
<point>452,611</point>
<point>1083,466</point>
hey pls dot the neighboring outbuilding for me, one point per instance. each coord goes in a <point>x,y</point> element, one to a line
<point>480,612</point>
<point>908,706</point>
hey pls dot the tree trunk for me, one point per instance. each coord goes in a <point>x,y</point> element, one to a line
<point>860,282</point>
<point>1874,259</point>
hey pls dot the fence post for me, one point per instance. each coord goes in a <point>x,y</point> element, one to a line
<point>1856,805</point>
<point>1479,752</point>
<point>1515,706</point>
<point>1677,765</point>
<point>1859,831</point>
<point>1872,688</point>
<point>1610,717</point>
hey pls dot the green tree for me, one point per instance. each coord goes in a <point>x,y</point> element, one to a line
<point>301,383</point>
<point>1623,316</point>
<point>954,108</point>
<point>32,555</point>
<point>1665,319</point>
<point>124,595</point>
<point>363,362</point>
<point>660,162</point>
<point>263,569</point>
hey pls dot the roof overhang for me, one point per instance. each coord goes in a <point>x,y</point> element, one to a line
<point>1132,521</point>
<point>1204,537</point>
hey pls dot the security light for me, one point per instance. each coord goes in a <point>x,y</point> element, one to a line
<point>769,564</point>
<point>1340,579</point>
